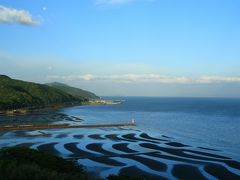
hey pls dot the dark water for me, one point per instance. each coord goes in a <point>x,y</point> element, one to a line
<point>202,121</point>
<point>175,138</point>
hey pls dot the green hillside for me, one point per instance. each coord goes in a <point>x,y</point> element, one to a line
<point>76,92</point>
<point>16,94</point>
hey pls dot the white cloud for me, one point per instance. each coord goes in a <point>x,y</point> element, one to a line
<point>15,16</point>
<point>218,79</point>
<point>146,78</point>
<point>86,77</point>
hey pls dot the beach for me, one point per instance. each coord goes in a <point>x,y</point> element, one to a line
<point>133,150</point>
<point>135,153</point>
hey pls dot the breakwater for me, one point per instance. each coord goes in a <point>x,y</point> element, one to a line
<point>59,126</point>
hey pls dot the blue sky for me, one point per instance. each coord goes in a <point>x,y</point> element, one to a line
<point>125,47</point>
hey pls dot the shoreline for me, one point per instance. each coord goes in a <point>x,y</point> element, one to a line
<point>129,150</point>
<point>30,110</point>
<point>104,102</point>
<point>60,126</point>
<point>135,153</point>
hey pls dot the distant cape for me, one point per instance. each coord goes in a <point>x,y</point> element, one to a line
<point>17,94</point>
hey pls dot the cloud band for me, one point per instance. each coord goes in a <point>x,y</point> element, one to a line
<point>146,78</point>
<point>14,16</point>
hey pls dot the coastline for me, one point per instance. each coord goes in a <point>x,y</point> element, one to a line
<point>29,110</point>
<point>130,152</point>
<point>103,102</point>
<point>126,150</point>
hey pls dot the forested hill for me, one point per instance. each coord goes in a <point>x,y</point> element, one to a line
<point>15,94</point>
<point>76,92</point>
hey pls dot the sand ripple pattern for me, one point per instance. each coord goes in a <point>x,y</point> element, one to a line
<point>142,154</point>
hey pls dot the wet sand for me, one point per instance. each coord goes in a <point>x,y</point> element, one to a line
<point>146,136</point>
<point>187,162</point>
<point>78,136</point>
<point>77,152</point>
<point>220,172</point>
<point>176,144</point>
<point>134,171</point>
<point>140,154</point>
<point>123,147</point>
<point>187,172</point>
<point>48,148</point>
<point>97,147</point>
<point>96,136</point>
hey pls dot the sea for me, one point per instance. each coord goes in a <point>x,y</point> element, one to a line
<point>174,138</point>
<point>211,122</point>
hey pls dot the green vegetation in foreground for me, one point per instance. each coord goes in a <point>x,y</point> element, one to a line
<point>17,94</point>
<point>28,164</point>
<point>24,163</point>
<point>76,92</point>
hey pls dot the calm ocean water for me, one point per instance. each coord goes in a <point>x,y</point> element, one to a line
<point>207,122</point>
<point>198,136</point>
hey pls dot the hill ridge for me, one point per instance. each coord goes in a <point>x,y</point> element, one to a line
<point>76,92</point>
<point>17,94</point>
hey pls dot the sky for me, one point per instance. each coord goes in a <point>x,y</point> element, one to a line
<point>188,48</point>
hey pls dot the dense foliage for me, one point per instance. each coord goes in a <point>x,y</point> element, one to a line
<point>19,163</point>
<point>76,92</point>
<point>24,164</point>
<point>16,94</point>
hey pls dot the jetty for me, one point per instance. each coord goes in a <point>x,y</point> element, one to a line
<point>59,126</point>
